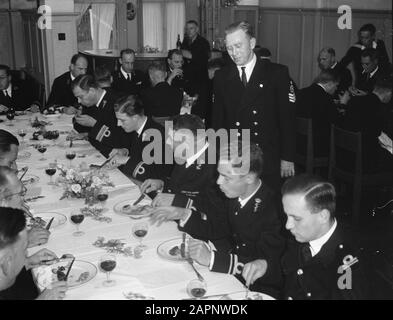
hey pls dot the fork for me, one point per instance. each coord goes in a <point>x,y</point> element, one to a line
<point>189,259</point>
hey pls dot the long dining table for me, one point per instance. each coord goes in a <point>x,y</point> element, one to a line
<point>149,276</point>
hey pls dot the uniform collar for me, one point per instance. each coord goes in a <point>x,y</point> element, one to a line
<point>316,245</point>
<point>243,202</point>
<point>334,65</point>
<point>9,90</point>
<point>193,158</point>
<point>71,76</point>
<point>125,74</point>
<point>101,98</point>
<point>139,131</point>
<point>372,73</point>
<point>249,67</point>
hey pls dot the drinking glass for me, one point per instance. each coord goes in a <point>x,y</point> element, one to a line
<point>102,196</point>
<point>196,288</point>
<point>107,264</point>
<point>42,149</point>
<point>70,155</point>
<point>77,218</point>
<point>50,171</point>
<point>10,117</point>
<point>139,231</point>
<point>22,134</point>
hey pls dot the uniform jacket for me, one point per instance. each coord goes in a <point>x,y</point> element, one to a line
<point>318,278</point>
<point>266,107</point>
<point>61,93</point>
<point>22,97</point>
<point>345,78</point>
<point>122,85</point>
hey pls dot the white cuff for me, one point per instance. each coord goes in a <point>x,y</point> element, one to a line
<point>212,256</point>
<point>184,220</point>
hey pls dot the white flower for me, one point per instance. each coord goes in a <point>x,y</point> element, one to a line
<point>70,174</point>
<point>76,188</point>
<point>97,181</point>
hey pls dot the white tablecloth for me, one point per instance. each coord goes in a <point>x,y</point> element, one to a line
<point>150,275</point>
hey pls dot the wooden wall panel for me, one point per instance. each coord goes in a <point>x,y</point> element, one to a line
<point>269,33</point>
<point>6,55</point>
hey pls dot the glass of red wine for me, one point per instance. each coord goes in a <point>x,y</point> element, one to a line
<point>42,149</point>
<point>10,116</point>
<point>50,171</point>
<point>139,231</point>
<point>102,196</point>
<point>196,288</point>
<point>22,134</point>
<point>107,264</point>
<point>70,155</point>
<point>77,218</point>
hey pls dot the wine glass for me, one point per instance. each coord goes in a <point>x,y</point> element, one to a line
<point>77,218</point>
<point>102,196</point>
<point>50,171</point>
<point>196,288</point>
<point>22,134</point>
<point>42,149</point>
<point>70,155</point>
<point>10,117</point>
<point>107,264</point>
<point>139,231</point>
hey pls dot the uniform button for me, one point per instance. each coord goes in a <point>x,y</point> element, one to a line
<point>308,294</point>
<point>243,244</point>
<point>341,246</point>
<point>257,144</point>
<point>290,298</point>
<point>238,134</point>
<point>256,123</point>
<point>256,133</point>
<point>237,247</point>
<point>236,213</point>
<point>237,123</point>
<point>254,112</point>
<point>300,272</point>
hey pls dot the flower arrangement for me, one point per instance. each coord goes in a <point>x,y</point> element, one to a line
<point>149,49</point>
<point>118,247</point>
<point>83,183</point>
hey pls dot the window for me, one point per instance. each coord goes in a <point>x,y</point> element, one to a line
<point>163,21</point>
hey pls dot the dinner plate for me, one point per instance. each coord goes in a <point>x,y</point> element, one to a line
<point>164,248</point>
<point>24,155</point>
<point>29,179</point>
<point>81,273</point>
<point>125,208</point>
<point>59,219</point>
<point>252,295</point>
<point>52,116</point>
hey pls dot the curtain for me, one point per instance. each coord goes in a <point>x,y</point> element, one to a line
<point>176,19</point>
<point>102,17</point>
<point>81,9</point>
<point>153,25</point>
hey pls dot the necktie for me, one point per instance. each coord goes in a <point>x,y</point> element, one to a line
<point>306,252</point>
<point>128,77</point>
<point>6,94</point>
<point>244,77</point>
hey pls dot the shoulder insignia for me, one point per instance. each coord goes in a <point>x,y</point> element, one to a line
<point>291,94</point>
<point>139,169</point>
<point>257,204</point>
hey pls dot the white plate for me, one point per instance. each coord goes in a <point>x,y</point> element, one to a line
<point>252,295</point>
<point>52,116</point>
<point>29,179</point>
<point>164,248</point>
<point>125,208</point>
<point>24,155</point>
<point>45,275</point>
<point>58,220</point>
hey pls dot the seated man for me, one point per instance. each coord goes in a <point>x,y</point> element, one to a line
<point>9,147</point>
<point>316,103</point>
<point>161,100</point>
<point>315,265</point>
<point>12,192</point>
<point>128,80</point>
<point>61,93</point>
<point>103,77</point>
<point>16,282</point>
<point>246,228</point>
<point>141,132</point>
<point>16,95</point>
<point>176,75</point>
<point>192,174</point>
<point>98,119</point>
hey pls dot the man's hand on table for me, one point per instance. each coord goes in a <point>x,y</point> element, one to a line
<point>34,108</point>
<point>70,110</point>
<point>44,256</point>
<point>119,157</point>
<point>37,236</point>
<point>287,169</point>
<point>3,108</point>
<point>199,251</point>
<point>254,270</point>
<point>163,200</point>
<point>163,214</point>
<point>85,120</point>
<point>150,185</point>
<point>56,291</point>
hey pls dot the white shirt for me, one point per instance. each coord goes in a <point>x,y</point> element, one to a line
<point>193,158</point>
<point>316,245</point>
<point>332,67</point>
<point>139,131</point>
<point>102,97</point>
<point>249,68</point>
<point>244,201</point>
<point>72,77</point>
<point>8,91</point>
<point>372,73</point>
<point>125,74</point>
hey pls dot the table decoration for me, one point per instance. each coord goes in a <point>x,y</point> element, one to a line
<point>114,246</point>
<point>96,214</point>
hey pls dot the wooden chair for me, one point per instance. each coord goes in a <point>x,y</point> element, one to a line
<point>352,142</point>
<point>305,158</point>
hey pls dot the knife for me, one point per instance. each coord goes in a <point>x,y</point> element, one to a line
<point>34,198</point>
<point>142,196</point>
<point>102,165</point>
<point>49,223</point>
<point>69,269</point>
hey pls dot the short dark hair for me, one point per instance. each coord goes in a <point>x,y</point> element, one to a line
<point>241,25</point>
<point>217,63</point>
<point>174,51</point>
<point>370,52</point>
<point>192,22</point>
<point>188,121</point>
<point>318,193</point>
<point>329,50</point>
<point>6,68</point>
<point>239,152</point>
<point>75,58</point>
<point>126,51</point>
<point>6,140</point>
<point>102,74</point>
<point>156,66</point>
<point>368,27</point>
<point>85,82</point>
<point>12,222</point>
<point>328,75</point>
<point>130,105</point>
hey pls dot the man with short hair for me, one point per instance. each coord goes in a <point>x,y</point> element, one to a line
<point>257,95</point>
<point>17,95</point>
<point>16,282</point>
<point>162,99</point>
<point>61,93</point>
<point>9,147</point>
<point>243,228</point>
<point>127,80</point>
<point>371,71</point>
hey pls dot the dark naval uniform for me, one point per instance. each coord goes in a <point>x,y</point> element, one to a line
<point>266,107</point>
<point>337,272</point>
<point>22,97</point>
<point>136,168</point>
<point>61,93</point>
<point>134,86</point>
<point>247,233</point>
